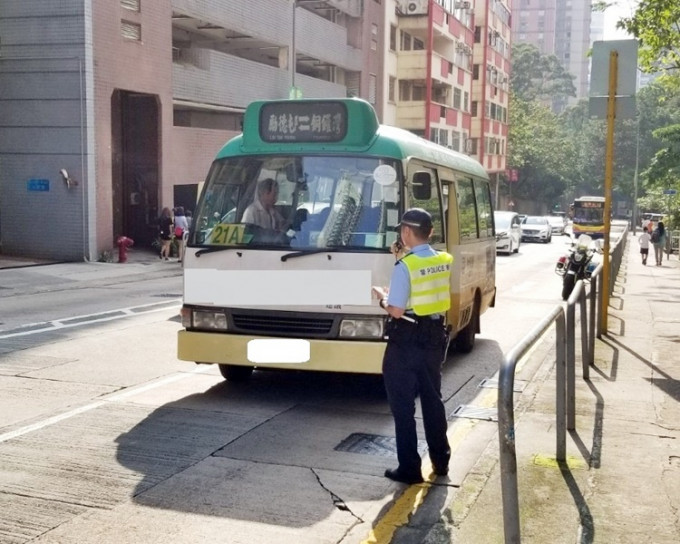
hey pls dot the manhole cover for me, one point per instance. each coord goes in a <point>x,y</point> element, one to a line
<point>475,412</point>
<point>373,444</point>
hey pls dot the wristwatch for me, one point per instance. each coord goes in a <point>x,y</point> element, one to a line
<point>383,303</point>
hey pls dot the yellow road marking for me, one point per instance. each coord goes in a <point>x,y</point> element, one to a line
<point>414,496</point>
<point>548,461</point>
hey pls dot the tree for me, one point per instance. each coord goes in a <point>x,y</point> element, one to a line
<point>539,147</point>
<point>538,77</point>
<point>655,24</point>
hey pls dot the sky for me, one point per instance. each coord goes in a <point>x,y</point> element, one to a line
<point>621,8</point>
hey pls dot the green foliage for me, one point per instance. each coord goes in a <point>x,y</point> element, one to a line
<point>664,168</point>
<point>539,147</point>
<point>538,77</point>
<point>655,24</point>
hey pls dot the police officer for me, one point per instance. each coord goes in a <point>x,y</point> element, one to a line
<point>419,295</point>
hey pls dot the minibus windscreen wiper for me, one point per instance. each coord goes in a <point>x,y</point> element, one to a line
<point>303,252</point>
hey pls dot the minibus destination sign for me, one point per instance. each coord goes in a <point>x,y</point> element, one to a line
<point>303,122</point>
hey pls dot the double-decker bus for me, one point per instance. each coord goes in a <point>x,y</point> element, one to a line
<point>588,217</point>
<point>295,293</point>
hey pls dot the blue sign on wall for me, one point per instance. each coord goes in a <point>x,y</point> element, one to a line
<point>38,185</point>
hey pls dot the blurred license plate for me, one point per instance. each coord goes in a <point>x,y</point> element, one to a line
<point>278,350</point>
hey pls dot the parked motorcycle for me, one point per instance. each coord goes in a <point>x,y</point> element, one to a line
<point>577,264</point>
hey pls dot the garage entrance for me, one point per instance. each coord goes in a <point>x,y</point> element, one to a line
<point>135,165</point>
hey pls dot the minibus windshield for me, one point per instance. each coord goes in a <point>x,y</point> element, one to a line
<point>299,202</point>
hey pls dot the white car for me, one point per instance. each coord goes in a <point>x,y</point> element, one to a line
<point>557,224</point>
<point>508,231</point>
<point>535,228</point>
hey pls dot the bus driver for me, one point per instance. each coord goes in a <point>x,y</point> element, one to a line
<point>262,211</point>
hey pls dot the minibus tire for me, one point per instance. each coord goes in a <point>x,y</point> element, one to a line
<point>236,373</point>
<point>465,339</point>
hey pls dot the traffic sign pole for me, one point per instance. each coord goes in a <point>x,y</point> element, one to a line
<point>608,170</point>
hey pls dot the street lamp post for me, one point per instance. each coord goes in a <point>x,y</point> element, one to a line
<point>635,176</point>
<point>292,51</point>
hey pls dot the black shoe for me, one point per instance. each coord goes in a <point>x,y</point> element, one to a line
<point>397,476</point>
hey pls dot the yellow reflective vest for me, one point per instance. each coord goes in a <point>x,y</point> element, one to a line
<point>430,283</point>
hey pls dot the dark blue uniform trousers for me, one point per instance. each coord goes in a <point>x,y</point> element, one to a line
<point>412,366</point>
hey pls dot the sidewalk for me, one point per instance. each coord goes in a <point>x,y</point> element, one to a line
<point>621,483</point>
<point>20,275</point>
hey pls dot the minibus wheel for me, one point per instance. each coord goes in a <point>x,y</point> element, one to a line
<point>236,373</point>
<point>465,339</point>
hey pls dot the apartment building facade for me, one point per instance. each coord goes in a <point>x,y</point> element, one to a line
<point>114,109</point>
<point>447,71</point>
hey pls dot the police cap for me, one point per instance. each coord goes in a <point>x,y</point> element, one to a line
<point>416,217</point>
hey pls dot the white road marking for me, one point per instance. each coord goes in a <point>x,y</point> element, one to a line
<point>88,319</point>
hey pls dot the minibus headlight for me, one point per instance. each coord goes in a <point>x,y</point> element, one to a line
<point>205,319</point>
<point>362,328</point>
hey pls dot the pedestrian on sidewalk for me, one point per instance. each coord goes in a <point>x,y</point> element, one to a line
<point>417,299</point>
<point>644,240</point>
<point>165,232</point>
<point>659,241</point>
<point>181,226</point>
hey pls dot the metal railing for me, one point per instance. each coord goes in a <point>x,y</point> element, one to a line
<point>565,377</point>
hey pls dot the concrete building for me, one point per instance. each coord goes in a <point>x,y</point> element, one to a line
<point>561,28</point>
<point>447,72</point>
<point>111,110</point>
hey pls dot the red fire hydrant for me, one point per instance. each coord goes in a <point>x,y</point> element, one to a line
<point>123,243</point>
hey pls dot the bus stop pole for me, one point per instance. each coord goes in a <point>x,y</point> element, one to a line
<point>608,168</point>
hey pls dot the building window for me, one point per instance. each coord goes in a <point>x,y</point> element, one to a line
<point>132,5</point>
<point>478,34</point>
<point>372,85</point>
<point>418,92</point>
<point>466,99</point>
<point>131,31</point>
<point>455,140</point>
<point>475,71</point>
<point>418,45</point>
<point>404,90</point>
<point>457,95</point>
<point>393,38</point>
<point>405,41</point>
<point>439,136</point>
<point>473,108</point>
<point>390,91</point>
<point>408,90</point>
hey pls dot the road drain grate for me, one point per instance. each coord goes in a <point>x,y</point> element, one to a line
<point>373,444</point>
<point>475,412</point>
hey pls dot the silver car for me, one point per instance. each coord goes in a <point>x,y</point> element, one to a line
<point>508,231</point>
<point>535,228</point>
<point>557,224</point>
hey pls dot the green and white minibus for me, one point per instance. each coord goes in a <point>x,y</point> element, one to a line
<point>298,295</point>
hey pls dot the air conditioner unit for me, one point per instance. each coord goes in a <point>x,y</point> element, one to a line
<point>462,5</point>
<point>413,7</point>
